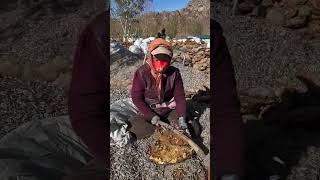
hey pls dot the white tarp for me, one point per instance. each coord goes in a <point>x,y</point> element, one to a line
<point>120,112</point>
<point>152,38</point>
<point>135,49</point>
<point>144,47</point>
<point>138,42</point>
<point>115,47</point>
<point>146,40</point>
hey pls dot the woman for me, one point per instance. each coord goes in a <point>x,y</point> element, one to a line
<point>157,91</point>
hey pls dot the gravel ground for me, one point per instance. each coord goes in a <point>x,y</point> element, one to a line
<point>45,35</point>
<point>23,101</point>
<point>263,54</point>
<point>306,168</point>
<point>38,39</point>
<point>270,56</point>
<point>132,161</point>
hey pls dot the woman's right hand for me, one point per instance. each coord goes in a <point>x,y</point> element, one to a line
<point>155,120</point>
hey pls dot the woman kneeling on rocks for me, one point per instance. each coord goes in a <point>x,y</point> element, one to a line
<point>157,91</point>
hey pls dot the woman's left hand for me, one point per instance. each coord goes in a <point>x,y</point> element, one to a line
<point>182,124</point>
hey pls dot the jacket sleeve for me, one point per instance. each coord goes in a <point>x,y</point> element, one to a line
<point>179,96</point>
<point>88,95</point>
<point>228,134</point>
<point>137,95</point>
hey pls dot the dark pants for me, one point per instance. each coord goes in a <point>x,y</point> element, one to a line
<point>142,127</point>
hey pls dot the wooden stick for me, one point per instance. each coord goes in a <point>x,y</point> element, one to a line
<point>193,145</point>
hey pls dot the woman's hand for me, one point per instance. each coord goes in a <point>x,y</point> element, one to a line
<point>182,124</point>
<point>155,120</point>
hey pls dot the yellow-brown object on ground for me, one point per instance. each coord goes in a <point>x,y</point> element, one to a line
<point>169,148</point>
<point>193,145</point>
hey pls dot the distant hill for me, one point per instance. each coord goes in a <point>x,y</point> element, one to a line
<point>194,19</point>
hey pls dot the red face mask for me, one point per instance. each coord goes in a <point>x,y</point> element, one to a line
<point>161,65</point>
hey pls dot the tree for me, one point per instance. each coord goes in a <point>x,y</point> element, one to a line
<point>172,26</point>
<point>127,13</point>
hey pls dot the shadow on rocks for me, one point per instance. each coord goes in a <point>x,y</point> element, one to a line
<point>277,141</point>
<point>195,108</point>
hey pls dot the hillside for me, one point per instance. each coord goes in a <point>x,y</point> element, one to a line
<point>191,20</point>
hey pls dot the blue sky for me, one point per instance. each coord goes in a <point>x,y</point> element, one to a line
<point>169,5</point>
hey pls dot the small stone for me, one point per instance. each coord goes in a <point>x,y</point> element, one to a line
<point>275,16</point>
<point>196,49</point>
<point>316,10</point>
<point>304,11</point>
<point>296,22</point>
<point>263,92</point>
<point>63,80</point>
<point>298,2</point>
<point>259,11</point>
<point>267,3</point>
<point>202,68</point>
<point>291,12</point>
<point>314,17</point>
<point>249,117</point>
<point>314,27</point>
<point>246,7</point>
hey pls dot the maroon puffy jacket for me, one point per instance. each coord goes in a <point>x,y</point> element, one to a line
<point>227,133</point>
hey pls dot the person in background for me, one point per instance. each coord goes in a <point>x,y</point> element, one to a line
<point>157,91</point>
<point>228,127</point>
<point>88,98</point>
<point>162,34</point>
